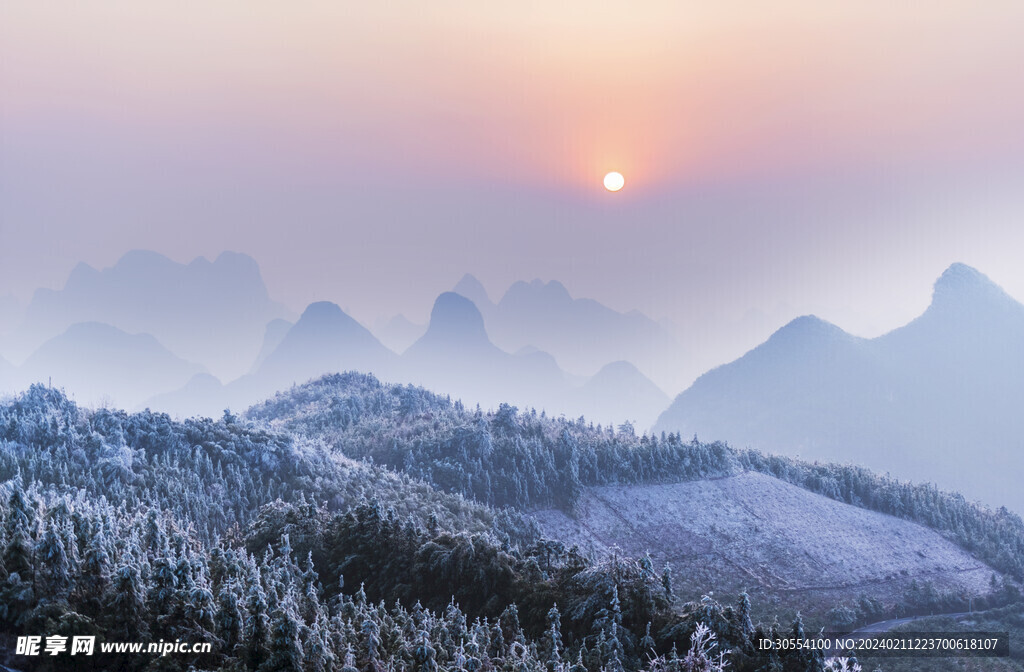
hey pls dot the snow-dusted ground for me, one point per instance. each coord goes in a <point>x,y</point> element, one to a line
<point>755,532</point>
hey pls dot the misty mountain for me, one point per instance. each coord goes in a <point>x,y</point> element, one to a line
<point>619,392</point>
<point>456,356</point>
<point>100,365</point>
<point>6,376</point>
<point>203,396</point>
<point>937,399</point>
<point>11,313</point>
<point>398,333</point>
<point>274,333</point>
<point>324,340</point>
<point>471,288</point>
<point>209,312</point>
<point>582,334</point>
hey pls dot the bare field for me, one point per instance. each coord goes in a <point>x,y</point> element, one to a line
<point>783,544</point>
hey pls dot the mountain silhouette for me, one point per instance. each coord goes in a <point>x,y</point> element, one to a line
<point>471,288</point>
<point>100,364</point>
<point>455,356</point>
<point>273,334</point>
<point>208,312</point>
<point>582,334</point>
<point>937,399</point>
<point>324,340</point>
<point>398,333</point>
<point>619,392</point>
<point>6,376</point>
<point>455,322</point>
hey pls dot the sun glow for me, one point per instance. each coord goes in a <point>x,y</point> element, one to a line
<point>614,181</point>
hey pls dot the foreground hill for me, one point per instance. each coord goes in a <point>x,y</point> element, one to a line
<point>782,543</point>
<point>938,399</point>
<point>134,527</point>
<point>535,463</point>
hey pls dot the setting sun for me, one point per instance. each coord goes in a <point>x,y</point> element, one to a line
<point>614,181</point>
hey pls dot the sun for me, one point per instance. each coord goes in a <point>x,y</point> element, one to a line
<point>614,181</point>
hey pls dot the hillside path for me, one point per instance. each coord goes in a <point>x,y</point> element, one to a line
<point>885,626</point>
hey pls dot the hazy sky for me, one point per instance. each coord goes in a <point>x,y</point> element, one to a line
<point>784,157</point>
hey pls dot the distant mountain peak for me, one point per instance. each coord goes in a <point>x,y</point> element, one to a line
<point>456,320</point>
<point>808,326</point>
<point>471,288</point>
<point>324,314</point>
<point>324,322</point>
<point>558,289</point>
<point>962,285</point>
<point>619,370</point>
<point>552,292</point>
<point>141,258</point>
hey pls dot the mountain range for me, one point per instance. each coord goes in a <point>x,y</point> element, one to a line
<point>455,356</point>
<point>215,320</point>
<point>209,312</point>
<point>102,365</point>
<point>938,399</point>
<point>582,334</point>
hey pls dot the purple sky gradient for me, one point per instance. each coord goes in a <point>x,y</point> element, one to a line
<point>802,159</point>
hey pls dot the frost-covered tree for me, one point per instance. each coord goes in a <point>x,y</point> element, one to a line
<point>128,613</point>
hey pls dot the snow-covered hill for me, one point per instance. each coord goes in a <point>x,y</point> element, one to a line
<point>776,540</point>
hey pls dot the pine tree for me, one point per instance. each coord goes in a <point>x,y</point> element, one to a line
<point>647,643</point>
<point>127,611</point>
<point>256,634</point>
<point>96,571</point>
<point>228,620</point>
<point>510,628</point>
<point>425,654</point>
<point>746,625</point>
<point>372,642</point>
<point>317,649</point>
<point>54,561</point>
<point>17,556</point>
<point>613,651</point>
<point>554,657</point>
<point>666,581</point>
<point>285,649</point>
<point>350,661</point>
<point>164,583</point>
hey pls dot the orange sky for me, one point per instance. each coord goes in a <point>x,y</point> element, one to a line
<point>539,91</point>
<point>395,146</point>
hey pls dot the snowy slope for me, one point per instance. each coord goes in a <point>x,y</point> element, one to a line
<point>777,541</point>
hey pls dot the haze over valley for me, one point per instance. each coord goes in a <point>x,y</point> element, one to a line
<point>934,401</point>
